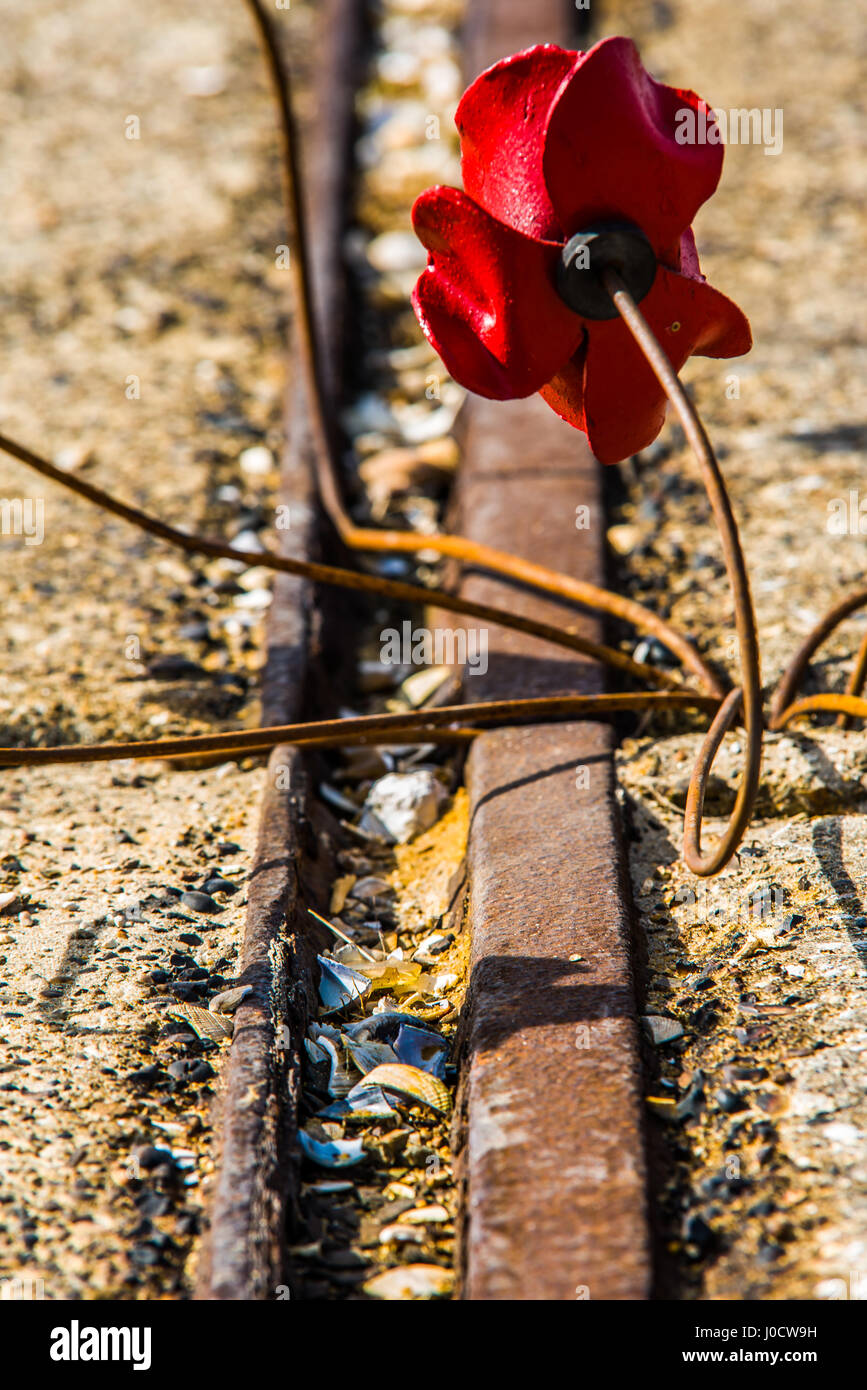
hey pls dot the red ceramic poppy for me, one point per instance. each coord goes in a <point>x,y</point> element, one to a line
<point>555,142</point>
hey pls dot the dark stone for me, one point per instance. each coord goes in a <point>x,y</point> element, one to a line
<point>729,1101</point>
<point>173,666</point>
<point>145,1255</point>
<point>220,885</point>
<point>697,1232</point>
<point>199,902</point>
<point>186,990</point>
<point>147,1077</point>
<point>149,1156</point>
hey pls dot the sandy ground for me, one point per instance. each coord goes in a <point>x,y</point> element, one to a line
<point>141,340</point>
<point>761,1174</point>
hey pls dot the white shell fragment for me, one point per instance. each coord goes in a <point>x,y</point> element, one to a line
<point>411,1282</point>
<point>396,1234</point>
<point>406,803</point>
<point>426,1216</point>
<point>337,1153</point>
<point>433,946</point>
<point>363,1103</point>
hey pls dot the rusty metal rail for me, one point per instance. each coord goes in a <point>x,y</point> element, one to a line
<point>553,1153</point>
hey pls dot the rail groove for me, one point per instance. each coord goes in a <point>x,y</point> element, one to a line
<point>552,1150</point>
<point>243,1256</point>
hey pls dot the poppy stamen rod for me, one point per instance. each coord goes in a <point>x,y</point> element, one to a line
<point>750,695</point>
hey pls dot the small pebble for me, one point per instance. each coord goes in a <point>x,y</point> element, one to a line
<point>256,462</point>
<point>431,947</point>
<point>207,81</point>
<point>697,1232</point>
<point>188,1069</point>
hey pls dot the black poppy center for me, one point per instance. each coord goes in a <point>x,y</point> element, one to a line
<point>605,246</point>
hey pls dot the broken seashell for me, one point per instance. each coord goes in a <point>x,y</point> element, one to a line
<point>340,1079</point>
<point>338,985</point>
<point>431,1013</point>
<point>204,1024</point>
<point>433,946</point>
<point>227,1001</point>
<point>412,1085</point>
<point>661,1030</point>
<point>367,1055</point>
<point>445,980</point>
<point>418,1048</point>
<point>421,685</point>
<point>381,1026</point>
<point>363,1103</point>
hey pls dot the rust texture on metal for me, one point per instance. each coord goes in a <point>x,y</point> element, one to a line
<point>243,1255</point>
<point>553,1148</point>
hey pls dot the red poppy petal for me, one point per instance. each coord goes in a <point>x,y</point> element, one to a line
<point>502,119</point>
<point>565,391</point>
<point>487,300</point>
<point>688,259</point>
<point>611,149</point>
<point>623,401</point>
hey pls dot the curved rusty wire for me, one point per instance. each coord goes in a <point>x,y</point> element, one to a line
<point>794,673</point>
<point>831,703</point>
<point>326,446</point>
<point>710,861</point>
<point>855,683</point>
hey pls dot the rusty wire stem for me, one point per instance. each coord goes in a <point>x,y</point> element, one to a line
<point>331,574</point>
<point>750,694</point>
<point>424,725</point>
